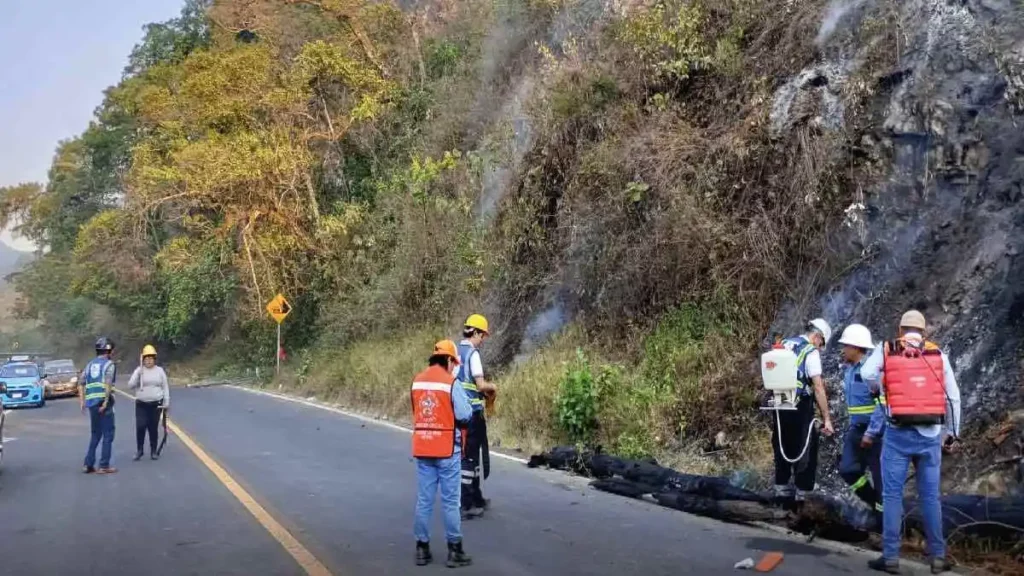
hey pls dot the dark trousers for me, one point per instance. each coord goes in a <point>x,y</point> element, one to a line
<point>147,418</point>
<point>102,427</point>
<point>476,438</point>
<point>861,468</point>
<point>794,425</point>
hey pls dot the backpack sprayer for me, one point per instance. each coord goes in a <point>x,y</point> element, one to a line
<point>779,373</point>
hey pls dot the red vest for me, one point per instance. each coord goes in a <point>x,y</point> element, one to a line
<point>433,414</point>
<point>915,386</point>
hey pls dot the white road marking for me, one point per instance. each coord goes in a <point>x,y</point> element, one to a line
<point>348,414</point>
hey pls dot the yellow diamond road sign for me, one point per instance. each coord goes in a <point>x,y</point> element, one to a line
<point>279,308</point>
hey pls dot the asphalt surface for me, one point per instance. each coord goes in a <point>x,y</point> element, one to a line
<point>343,487</point>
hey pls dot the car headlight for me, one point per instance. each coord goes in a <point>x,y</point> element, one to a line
<point>74,379</point>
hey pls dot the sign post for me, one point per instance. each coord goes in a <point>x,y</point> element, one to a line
<point>278,308</point>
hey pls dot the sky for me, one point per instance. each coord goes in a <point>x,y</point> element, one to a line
<point>56,58</point>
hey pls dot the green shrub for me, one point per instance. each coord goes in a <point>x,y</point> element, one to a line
<point>578,397</point>
<point>668,38</point>
<point>443,57</point>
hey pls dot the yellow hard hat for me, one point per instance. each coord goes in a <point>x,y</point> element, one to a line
<point>913,319</point>
<point>148,350</point>
<point>479,322</point>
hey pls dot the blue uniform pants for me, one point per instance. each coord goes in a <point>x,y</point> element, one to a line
<point>857,464</point>
<point>901,447</point>
<point>431,472</point>
<point>102,425</point>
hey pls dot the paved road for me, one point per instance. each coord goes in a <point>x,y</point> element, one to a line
<point>343,488</point>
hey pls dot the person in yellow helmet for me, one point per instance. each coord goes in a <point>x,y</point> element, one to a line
<point>479,390</point>
<point>152,393</point>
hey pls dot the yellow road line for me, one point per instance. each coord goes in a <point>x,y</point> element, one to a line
<point>300,553</point>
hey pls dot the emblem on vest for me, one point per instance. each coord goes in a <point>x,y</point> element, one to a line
<point>427,405</point>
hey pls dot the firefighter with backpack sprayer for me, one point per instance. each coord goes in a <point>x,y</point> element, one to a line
<point>923,409</point>
<point>860,463</point>
<point>792,371</point>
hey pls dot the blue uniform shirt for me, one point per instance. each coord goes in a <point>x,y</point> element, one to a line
<point>863,401</point>
<point>465,375</point>
<point>463,410</point>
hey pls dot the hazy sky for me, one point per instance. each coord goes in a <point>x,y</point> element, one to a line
<point>56,58</point>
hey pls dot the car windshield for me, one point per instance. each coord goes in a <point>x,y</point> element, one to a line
<point>60,367</point>
<point>19,371</point>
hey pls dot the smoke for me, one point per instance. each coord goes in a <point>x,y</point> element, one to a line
<point>510,42</point>
<point>836,11</point>
<point>498,175</point>
<point>541,327</point>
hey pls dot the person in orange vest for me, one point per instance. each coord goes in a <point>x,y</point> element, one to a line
<point>923,409</point>
<point>441,412</point>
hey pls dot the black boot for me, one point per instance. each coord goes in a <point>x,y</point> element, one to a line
<point>456,557</point>
<point>423,555</point>
<point>883,565</point>
<point>940,565</point>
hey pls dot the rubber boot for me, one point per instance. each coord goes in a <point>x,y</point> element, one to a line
<point>470,513</point>
<point>423,555</point>
<point>883,565</point>
<point>940,565</point>
<point>456,556</point>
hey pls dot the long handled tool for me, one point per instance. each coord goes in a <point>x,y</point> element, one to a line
<point>163,440</point>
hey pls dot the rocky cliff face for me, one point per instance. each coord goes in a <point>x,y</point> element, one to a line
<point>943,228</point>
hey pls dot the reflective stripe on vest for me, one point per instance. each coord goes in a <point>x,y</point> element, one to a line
<point>801,347</point>
<point>465,375</point>
<point>862,409</point>
<point>914,380</point>
<point>433,414</point>
<point>95,387</point>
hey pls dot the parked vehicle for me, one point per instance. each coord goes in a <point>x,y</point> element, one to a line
<point>22,385</point>
<point>60,378</point>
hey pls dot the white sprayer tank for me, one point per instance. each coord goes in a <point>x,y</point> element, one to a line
<point>779,374</point>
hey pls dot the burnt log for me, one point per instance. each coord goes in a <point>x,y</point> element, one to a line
<point>822,514</point>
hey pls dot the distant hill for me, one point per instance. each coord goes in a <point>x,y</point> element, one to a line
<point>12,260</point>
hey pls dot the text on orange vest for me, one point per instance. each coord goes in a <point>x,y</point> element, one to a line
<point>433,414</point>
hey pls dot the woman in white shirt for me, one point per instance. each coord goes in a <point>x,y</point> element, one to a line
<point>152,393</point>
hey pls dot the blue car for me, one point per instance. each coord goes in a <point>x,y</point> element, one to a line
<point>21,385</point>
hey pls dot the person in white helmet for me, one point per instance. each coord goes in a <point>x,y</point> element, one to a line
<point>860,462</point>
<point>795,425</point>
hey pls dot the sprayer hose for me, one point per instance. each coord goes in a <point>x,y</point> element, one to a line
<point>807,441</point>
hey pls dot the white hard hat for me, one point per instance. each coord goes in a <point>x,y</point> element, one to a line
<point>857,335</point>
<point>820,325</point>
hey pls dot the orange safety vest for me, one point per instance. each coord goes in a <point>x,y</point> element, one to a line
<point>915,385</point>
<point>433,414</point>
